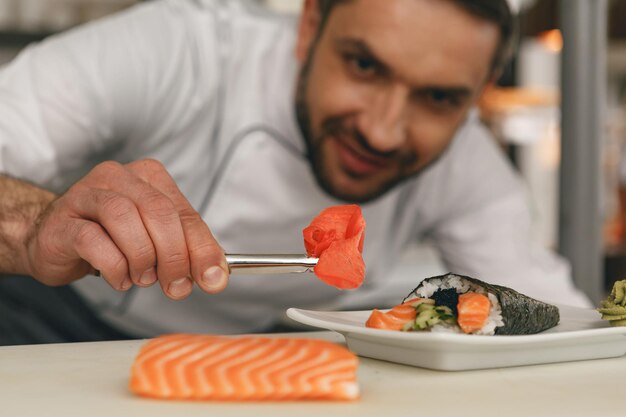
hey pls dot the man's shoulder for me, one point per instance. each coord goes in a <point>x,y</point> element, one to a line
<point>473,171</point>
<point>241,14</point>
<point>232,10</point>
<point>243,28</point>
<point>474,147</point>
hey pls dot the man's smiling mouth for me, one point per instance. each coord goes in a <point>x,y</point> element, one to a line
<point>358,164</point>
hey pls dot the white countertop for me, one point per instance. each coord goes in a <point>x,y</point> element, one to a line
<point>90,379</point>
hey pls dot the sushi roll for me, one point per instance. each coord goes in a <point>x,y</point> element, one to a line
<point>460,304</point>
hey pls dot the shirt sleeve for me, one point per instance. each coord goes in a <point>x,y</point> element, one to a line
<point>97,87</point>
<point>485,228</point>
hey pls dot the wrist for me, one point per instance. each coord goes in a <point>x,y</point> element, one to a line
<point>20,215</point>
<point>27,233</point>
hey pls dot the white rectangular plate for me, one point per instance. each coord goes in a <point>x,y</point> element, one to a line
<point>580,335</point>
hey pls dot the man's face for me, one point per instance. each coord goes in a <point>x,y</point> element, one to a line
<point>384,87</point>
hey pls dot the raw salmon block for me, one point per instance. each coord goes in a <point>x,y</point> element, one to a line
<point>202,367</point>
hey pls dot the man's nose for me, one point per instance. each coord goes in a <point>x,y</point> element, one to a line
<point>384,119</point>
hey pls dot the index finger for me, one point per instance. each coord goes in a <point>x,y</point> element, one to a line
<point>209,268</point>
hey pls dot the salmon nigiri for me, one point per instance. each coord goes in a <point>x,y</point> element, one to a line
<point>202,367</point>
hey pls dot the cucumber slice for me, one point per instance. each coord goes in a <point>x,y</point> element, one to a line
<point>429,315</point>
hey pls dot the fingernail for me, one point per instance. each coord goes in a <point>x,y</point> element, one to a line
<point>148,278</point>
<point>180,287</point>
<point>214,278</point>
<point>126,284</point>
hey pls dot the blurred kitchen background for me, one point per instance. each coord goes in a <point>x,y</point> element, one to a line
<point>524,113</point>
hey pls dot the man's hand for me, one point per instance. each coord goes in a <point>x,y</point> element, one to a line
<point>131,223</point>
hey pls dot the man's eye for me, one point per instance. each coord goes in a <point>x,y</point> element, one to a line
<point>439,96</point>
<point>442,98</point>
<point>362,66</point>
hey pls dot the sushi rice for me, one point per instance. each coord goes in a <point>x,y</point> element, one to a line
<point>461,285</point>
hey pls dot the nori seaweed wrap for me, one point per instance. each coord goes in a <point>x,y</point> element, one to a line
<point>521,314</point>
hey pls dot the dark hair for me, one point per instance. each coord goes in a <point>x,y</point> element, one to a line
<point>496,11</point>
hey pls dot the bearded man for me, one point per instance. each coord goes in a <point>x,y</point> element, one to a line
<point>146,145</point>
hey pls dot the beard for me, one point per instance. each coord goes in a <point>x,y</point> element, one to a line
<point>338,128</point>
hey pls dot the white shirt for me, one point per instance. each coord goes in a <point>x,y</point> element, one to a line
<point>207,88</point>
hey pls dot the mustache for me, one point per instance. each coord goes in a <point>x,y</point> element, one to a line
<point>338,127</point>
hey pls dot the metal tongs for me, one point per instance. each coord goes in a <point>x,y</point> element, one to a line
<point>270,264</point>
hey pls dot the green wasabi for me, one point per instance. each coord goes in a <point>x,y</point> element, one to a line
<point>614,307</point>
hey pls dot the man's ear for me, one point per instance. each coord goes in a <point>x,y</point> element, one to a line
<point>309,25</point>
